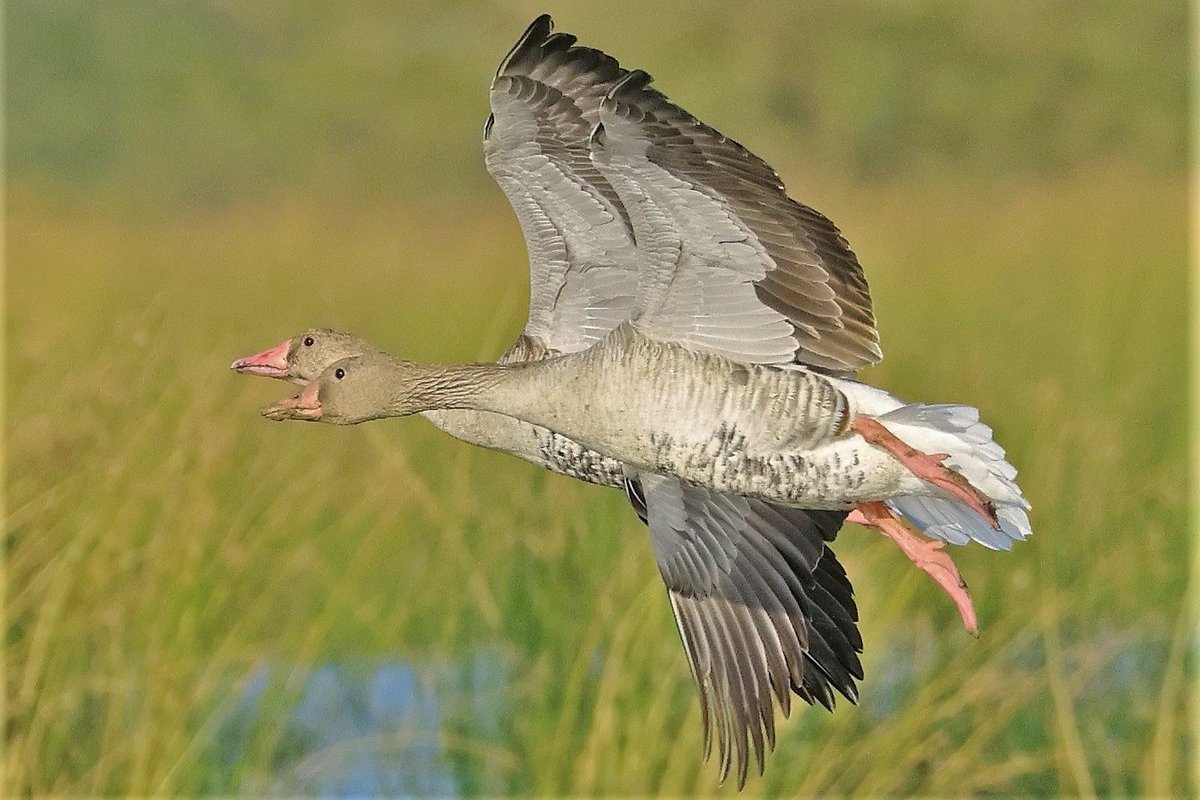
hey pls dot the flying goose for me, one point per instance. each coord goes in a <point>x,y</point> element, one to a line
<point>742,293</point>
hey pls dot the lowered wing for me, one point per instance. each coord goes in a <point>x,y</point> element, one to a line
<point>762,606</point>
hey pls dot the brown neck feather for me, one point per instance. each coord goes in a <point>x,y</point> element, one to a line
<point>428,387</point>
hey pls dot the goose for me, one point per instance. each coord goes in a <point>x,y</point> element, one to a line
<point>593,160</point>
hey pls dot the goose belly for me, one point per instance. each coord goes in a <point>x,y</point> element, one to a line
<point>533,443</point>
<point>836,475</point>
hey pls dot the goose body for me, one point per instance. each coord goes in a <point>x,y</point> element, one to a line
<point>776,434</point>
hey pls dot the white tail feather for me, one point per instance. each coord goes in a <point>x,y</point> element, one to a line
<point>956,431</point>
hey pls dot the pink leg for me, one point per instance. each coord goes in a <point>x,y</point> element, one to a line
<point>926,554</point>
<point>927,467</point>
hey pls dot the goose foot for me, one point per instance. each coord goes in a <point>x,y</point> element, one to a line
<point>927,467</point>
<point>926,554</point>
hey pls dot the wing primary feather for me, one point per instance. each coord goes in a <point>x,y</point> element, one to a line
<point>533,36</point>
<point>636,80</point>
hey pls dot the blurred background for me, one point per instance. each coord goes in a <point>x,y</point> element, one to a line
<point>200,601</point>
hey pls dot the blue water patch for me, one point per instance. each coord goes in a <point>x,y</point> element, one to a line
<point>359,729</point>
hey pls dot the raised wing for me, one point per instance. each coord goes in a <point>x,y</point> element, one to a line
<point>731,263</point>
<point>762,606</point>
<point>545,101</point>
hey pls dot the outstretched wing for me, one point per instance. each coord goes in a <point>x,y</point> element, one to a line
<point>762,605</point>
<point>545,101</point>
<point>731,263</point>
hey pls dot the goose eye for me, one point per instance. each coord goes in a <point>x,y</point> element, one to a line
<point>339,373</point>
<point>308,341</point>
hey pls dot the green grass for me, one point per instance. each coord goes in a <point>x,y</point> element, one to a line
<point>164,541</point>
<point>165,544</point>
<point>201,104</point>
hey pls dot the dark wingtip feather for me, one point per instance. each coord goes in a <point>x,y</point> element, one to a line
<point>557,42</point>
<point>637,499</point>
<point>534,36</point>
<point>635,81</point>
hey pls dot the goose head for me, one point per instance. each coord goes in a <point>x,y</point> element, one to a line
<point>357,389</point>
<point>304,357</point>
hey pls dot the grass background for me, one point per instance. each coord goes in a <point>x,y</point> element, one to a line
<point>188,183</point>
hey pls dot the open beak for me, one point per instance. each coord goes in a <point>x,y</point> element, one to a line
<point>304,406</point>
<point>272,363</point>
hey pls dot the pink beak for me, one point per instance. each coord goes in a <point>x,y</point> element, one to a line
<point>305,406</point>
<point>272,363</point>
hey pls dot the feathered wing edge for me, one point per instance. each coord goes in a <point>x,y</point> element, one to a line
<point>814,279</point>
<point>762,605</point>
